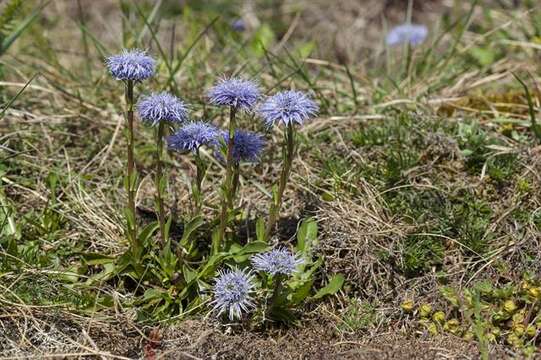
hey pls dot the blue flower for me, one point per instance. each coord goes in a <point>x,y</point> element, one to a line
<point>277,262</point>
<point>407,33</point>
<point>247,146</point>
<point>193,136</point>
<point>232,293</point>
<point>288,107</point>
<point>238,25</point>
<point>133,65</point>
<point>162,107</point>
<point>238,93</point>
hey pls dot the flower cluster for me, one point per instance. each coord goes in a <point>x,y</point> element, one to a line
<point>162,107</point>
<point>247,146</point>
<point>232,293</point>
<point>131,65</point>
<point>277,262</point>
<point>233,288</point>
<point>237,93</point>
<point>192,136</point>
<point>288,107</point>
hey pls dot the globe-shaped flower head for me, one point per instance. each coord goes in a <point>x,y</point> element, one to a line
<point>192,136</point>
<point>288,107</point>
<point>134,65</point>
<point>247,146</point>
<point>407,33</point>
<point>162,107</point>
<point>232,293</point>
<point>238,93</point>
<point>277,262</point>
<point>238,25</point>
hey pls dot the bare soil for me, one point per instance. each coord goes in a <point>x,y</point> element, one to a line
<point>29,333</point>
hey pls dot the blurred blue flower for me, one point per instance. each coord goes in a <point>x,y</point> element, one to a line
<point>133,65</point>
<point>232,293</point>
<point>238,25</point>
<point>162,107</point>
<point>288,107</point>
<point>277,262</point>
<point>238,93</point>
<point>407,33</point>
<point>247,146</point>
<point>192,136</point>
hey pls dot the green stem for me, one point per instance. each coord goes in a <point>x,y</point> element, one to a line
<point>158,180</point>
<point>278,286</point>
<point>227,197</point>
<point>130,187</point>
<point>201,170</point>
<point>234,184</point>
<point>289,154</point>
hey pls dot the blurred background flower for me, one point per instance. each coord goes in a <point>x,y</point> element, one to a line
<point>407,33</point>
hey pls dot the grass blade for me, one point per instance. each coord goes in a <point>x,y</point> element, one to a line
<point>14,35</point>
<point>535,128</point>
<point>3,112</point>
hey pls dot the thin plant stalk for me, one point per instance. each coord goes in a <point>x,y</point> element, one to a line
<point>289,154</point>
<point>200,175</point>
<point>278,286</point>
<point>130,182</point>
<point>160,133</point>
<point>227,199</point>
<point>235,183</point>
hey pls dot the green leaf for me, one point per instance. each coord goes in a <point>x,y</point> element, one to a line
<point>152,294</point>
<point>167,227</point>
<point>97,259</point>
<point>332,287</point>
<point>484,56</point>
<point>301,292</point>
<point>263,38</point>
<point>189,228</point>
<point>244,253</point>
<point>71,274</point>
<point>254,247</point>
<point>274,191</point>
<point>307,236</point>
<point>148,231</point>
<point>189,274</point>
<point>260,230</point>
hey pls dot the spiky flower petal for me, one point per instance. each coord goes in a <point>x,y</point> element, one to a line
<point>288,107</point>
<point>133,65</point>
<point>192,136</point>
<point>247,146</point>
<point>407,33</point>
<point>162,107</point>
<point>277,262</point>
<point>232,293</point>
<point>238,93</point>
